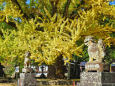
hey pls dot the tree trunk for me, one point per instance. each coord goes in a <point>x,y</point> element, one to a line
<point>57,70</point>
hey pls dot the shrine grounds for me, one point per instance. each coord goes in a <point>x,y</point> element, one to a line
<point>47,82</point>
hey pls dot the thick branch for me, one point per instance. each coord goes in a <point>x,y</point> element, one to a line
<point>79,7</point>
<point>54,7</point>
<point>66,8</point>
<point>24,14</point>
<point>11,24</point>
<point>1,34</point>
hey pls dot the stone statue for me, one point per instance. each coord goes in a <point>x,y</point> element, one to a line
<point>27,60</point>
<point>27,77</point>
<point>95,50</point>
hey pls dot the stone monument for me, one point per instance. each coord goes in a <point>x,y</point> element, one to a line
<point>27,78</point>
<point>94,74</point>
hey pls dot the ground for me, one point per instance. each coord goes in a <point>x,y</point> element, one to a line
<point>7,84</point>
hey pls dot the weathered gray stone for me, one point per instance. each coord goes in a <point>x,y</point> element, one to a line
<point>108,84</point>
<point>108,77</point>
<point>94,66</point>
<point>90,76</point>
<point>97,79</point>
<point>27,79</point>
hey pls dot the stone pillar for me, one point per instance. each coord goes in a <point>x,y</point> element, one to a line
<point>97,79</point>
<point>27,79</point>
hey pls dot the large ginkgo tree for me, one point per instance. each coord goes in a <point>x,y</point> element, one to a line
<point>50,29</point>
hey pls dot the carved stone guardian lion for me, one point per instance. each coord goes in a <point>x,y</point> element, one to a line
<point>96,51</point>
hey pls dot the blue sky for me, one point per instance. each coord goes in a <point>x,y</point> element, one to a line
<point>28,2</point>
<point>112,3</point>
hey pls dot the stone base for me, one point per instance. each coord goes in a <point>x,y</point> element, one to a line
<point>27,79</point>
<point>97,79</point>
<point>27,70</point>
<point>94,66</point>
